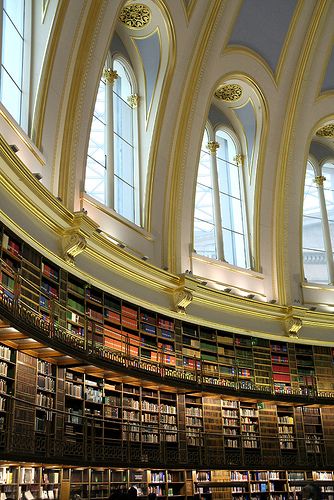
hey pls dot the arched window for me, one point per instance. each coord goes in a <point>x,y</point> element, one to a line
<point>13,84</point>
<point>219,219</point>
<point>112,166</point>
<point>318,223</point>
<point>204,223</point>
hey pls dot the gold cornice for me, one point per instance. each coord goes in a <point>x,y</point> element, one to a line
<point>160,116</point>
<point>45,81</point>
<point>25,141</point>
<point>280,194</point>
<point>31,186</point>
<point>74,106</point>
<point>186,108</point>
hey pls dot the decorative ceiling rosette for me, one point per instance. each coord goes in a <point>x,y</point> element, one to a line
<point>135,16</point>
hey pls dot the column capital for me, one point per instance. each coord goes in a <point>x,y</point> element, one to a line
<point>133,100</point>
<point>239,159</point>
<point>212,146</point>
<point>319,180</point>
<point>110,75</point>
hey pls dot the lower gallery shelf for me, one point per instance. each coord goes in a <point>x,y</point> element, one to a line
<point>37,481</point>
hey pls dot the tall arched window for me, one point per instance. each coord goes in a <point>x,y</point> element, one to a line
<point>112,166</point>
<point>318,223</point>
<point>13,80</point>
<point>219,219</point>
<point>204,223</point>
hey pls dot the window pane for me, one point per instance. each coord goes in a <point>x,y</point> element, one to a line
<point>231,213</point>
<point>12,51</point>
<point>239,250</point>
<point>312,233</point>
<point>205,239</point>
<point>15,10</point>
<point>123,160</point>
<point>315,266</point>
<point>124,199</point>
<point>204,204</point>
<point>204,175</point>
<point>314,255</point>
<point>122,84</point>
<point>95,180</point>
<point>123,119</point>
<point>96,141</point>
<point>10,96</point>
<point>100,109</point>
<point>228,246</point>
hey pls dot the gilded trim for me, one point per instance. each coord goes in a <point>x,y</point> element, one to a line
<point>160,116</point>
<point>287,135</point>
<point>287,40</point>
<point>18,132</point>
<point>133,39</point>
<point>73,110</point>
<point>30,186</point>
<point>188,8</point>
<point>47,67</point>
<point>182,126</point>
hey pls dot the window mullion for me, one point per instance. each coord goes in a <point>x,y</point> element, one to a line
<point>213,146</point>
<point>110,78</point>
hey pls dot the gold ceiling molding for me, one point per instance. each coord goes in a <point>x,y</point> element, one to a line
<point>135,16</point>
<point>229,92</point>
<point>47,66</point>
<point>74,108</point>
<point>288,134</point>
<point>182,138</point>
<point>326,131</point>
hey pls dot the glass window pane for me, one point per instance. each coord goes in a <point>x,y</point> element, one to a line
<point>123,160</point>
<point>123,119</point>
<point>205,239</point>
<point>10,96</point>
<point>315,266</point>
<point>204,204</point>
<point>312,233</point>
<point>15,10</point>
<point>225,209</point>
<point>239,250</point>
<point>124,199</point>
<point>228,246</point>
<point>95,180</point>
<point>100,108</point>
<point>314,255</point>
<point>204,174</point>
<point>122,84</point>
<point>12,51</point>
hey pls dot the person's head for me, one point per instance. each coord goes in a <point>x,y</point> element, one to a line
<point>132,492</point>
<point>311,492</point>
<point>152,496</point>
